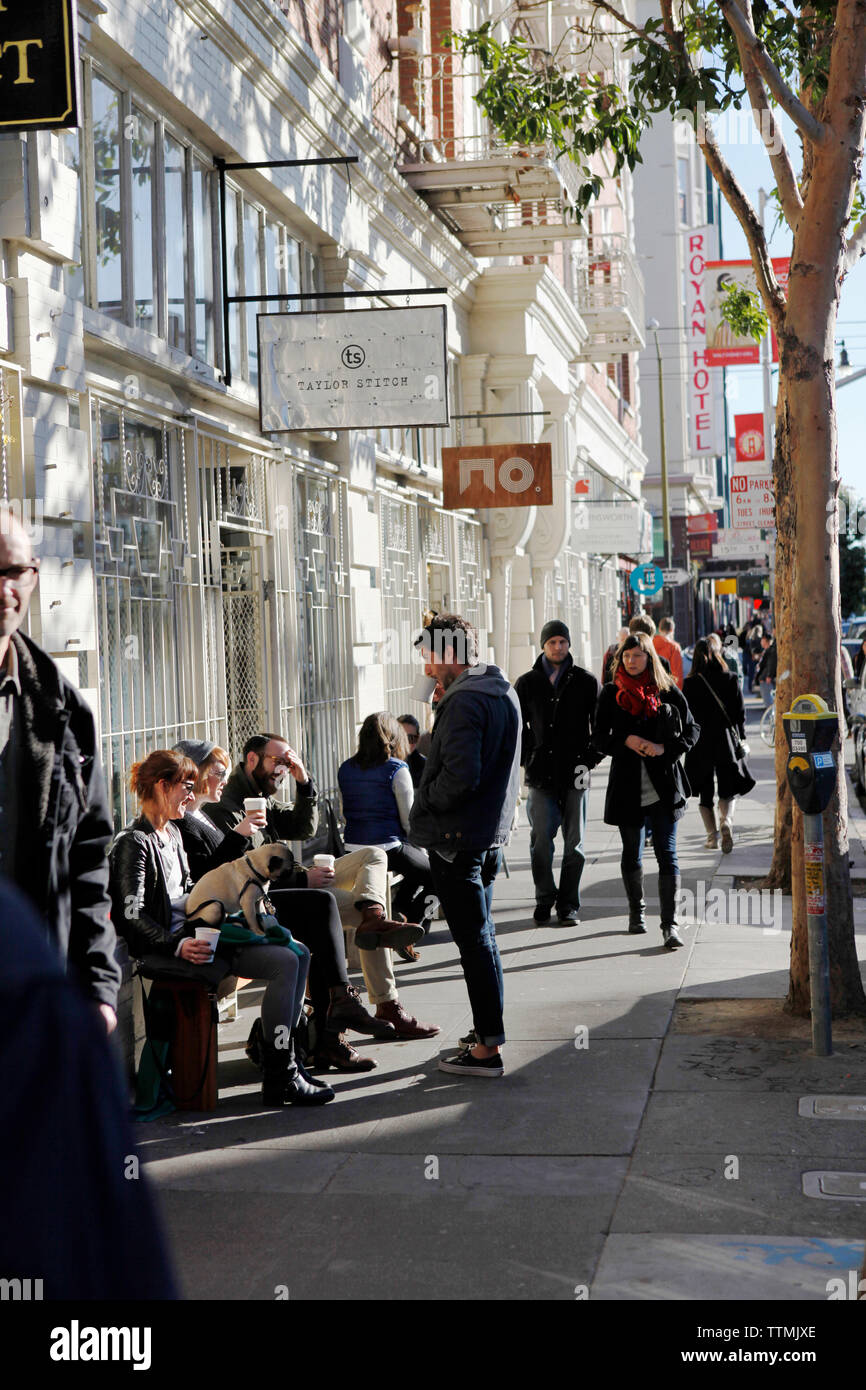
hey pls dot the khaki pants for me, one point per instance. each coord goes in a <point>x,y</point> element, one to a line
<point>358,877</point>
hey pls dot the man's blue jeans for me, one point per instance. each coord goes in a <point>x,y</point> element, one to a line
<point>546,814</point>
<point>464,887</point>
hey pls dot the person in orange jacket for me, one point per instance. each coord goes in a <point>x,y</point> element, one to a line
<point>672,651</point>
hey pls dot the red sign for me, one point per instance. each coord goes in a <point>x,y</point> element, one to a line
<point>699,525</point>
<point>581,487</point>
<point>702,545</point>
<point>498,475</point>
<point>725,348</point>
<point>749,433</point>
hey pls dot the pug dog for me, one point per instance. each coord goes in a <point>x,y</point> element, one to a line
<point>239,886</point>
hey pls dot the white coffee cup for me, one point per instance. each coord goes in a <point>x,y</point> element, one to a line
<point>423,688</point>
<point>323,861</point>
<point>256,805</point>
<point>209,934</point>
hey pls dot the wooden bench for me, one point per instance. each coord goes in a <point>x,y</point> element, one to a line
<point>192,1052</point>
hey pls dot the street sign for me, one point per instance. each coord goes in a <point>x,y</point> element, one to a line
<point>676,576</point>
<point>752,501</point>
<point>497,475</point>
<point>647,579</point>
<point>609,528</point>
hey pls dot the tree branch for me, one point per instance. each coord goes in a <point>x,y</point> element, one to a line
<point>738,202</point>
<point>774,142</point>
<point>807,124</point>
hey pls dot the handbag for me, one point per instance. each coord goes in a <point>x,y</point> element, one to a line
<point>740,748</point>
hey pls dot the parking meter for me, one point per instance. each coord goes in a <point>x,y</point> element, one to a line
<point>810,728</point>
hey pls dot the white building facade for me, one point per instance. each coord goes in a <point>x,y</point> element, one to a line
<point>201,578</point>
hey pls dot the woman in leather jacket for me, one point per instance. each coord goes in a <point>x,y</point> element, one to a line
<point>150,883</point>
<point>644,724</point>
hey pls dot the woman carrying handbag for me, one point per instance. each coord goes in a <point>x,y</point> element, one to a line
<point>643,723</point>
<point>716,701</point>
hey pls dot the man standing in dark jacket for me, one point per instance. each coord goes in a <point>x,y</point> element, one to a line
<point>55,824</point>
<point>557,701</point>
<point>462,814</point>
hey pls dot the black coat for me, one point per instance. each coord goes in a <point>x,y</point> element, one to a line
<point>206,845</point>
<point>767,665</point>
<point>673,727</point>
<point>714,750</point>
<point>64,809</point>
<point>298,822</point>
<point>141,908</point>
<point>71,1215</point>
<point>558,723</point>
<point>467,797</point>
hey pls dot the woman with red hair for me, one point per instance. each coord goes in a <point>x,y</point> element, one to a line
<point>644,724</point>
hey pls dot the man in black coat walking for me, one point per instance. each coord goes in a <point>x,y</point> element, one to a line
<point>55,824</point>
<point>558,702</point>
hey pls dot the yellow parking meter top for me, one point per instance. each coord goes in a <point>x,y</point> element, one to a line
<point>810,707</point>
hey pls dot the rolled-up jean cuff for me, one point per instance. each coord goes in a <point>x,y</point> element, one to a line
<point>492,1040</point>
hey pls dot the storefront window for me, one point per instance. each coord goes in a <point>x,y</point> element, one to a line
<point>175,242</point>
<point>106,164</point>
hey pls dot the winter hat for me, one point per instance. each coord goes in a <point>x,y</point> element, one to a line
<point>198,749</point>
<point>555,629</point>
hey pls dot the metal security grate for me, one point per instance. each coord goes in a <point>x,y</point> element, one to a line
<point>244,638</point>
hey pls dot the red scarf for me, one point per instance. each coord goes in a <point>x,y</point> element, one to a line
<point>637,695</point>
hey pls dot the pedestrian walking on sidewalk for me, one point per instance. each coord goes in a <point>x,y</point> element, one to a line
<point>558,700</point>
<point>463,813</point>
<point>644,724</point>
<point>716,702</point>
<point>670,650</point>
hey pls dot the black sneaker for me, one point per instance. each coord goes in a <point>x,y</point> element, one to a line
<point>569,918</point>
<point>541,913</point>
<point>672,939</point>
<point>464,1064</point>
<point>470,1040</point>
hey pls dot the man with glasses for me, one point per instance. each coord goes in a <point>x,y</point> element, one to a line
<point>55,824</point>
<point>358,883</point>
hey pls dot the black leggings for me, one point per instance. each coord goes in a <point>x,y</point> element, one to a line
<point>313,918</point>
<point>414,896</point>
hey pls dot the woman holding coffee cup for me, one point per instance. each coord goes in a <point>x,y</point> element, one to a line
<point>207,847</point>
<point>150,882</point>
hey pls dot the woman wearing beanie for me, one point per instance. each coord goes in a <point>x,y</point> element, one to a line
<point>205,846</point>
<point>645,725</point>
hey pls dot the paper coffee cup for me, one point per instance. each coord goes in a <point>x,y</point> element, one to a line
<point>323,861</point>
<point>211,934</point>
<point>423,688</point>
<point>256,803</point>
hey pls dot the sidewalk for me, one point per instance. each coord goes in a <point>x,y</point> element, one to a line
<point>643,1158</point>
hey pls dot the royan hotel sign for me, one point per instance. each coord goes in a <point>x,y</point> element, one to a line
<point>353,370</point>
<point>38,65</point>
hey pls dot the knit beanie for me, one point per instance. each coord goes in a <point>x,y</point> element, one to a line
<point>198,749</point>
<point>555,629</point>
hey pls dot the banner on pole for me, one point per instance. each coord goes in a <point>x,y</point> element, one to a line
<point>749,438</point>
<point>353,369</point>
<point>725,348</point>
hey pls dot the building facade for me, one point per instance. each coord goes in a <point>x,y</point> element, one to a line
<point>200,577</point>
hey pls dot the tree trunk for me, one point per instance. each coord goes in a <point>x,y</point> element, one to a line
<point>786,531</point>
<point>812,639</point>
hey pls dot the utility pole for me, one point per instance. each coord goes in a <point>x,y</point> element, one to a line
<point>666,509</point>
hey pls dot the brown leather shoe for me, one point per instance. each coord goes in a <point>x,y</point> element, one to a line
<point>404,1024</point>
<point>334,1051</point>
<point>347,1011</point>
<point>376,930</point>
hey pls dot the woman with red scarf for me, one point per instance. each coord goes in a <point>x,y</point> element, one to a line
<point>644,723</point>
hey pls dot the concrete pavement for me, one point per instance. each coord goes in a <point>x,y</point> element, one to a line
<point>628,1154</point>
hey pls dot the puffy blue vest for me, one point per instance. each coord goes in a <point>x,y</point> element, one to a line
<point>369,805</point>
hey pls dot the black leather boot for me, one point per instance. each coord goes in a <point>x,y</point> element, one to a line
<point>282,1083</point>
<point>668,888</point>
<point>302,1070</point>
<point>636,906</point>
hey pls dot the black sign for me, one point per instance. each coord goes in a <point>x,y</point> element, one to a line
<point>38,65</point>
